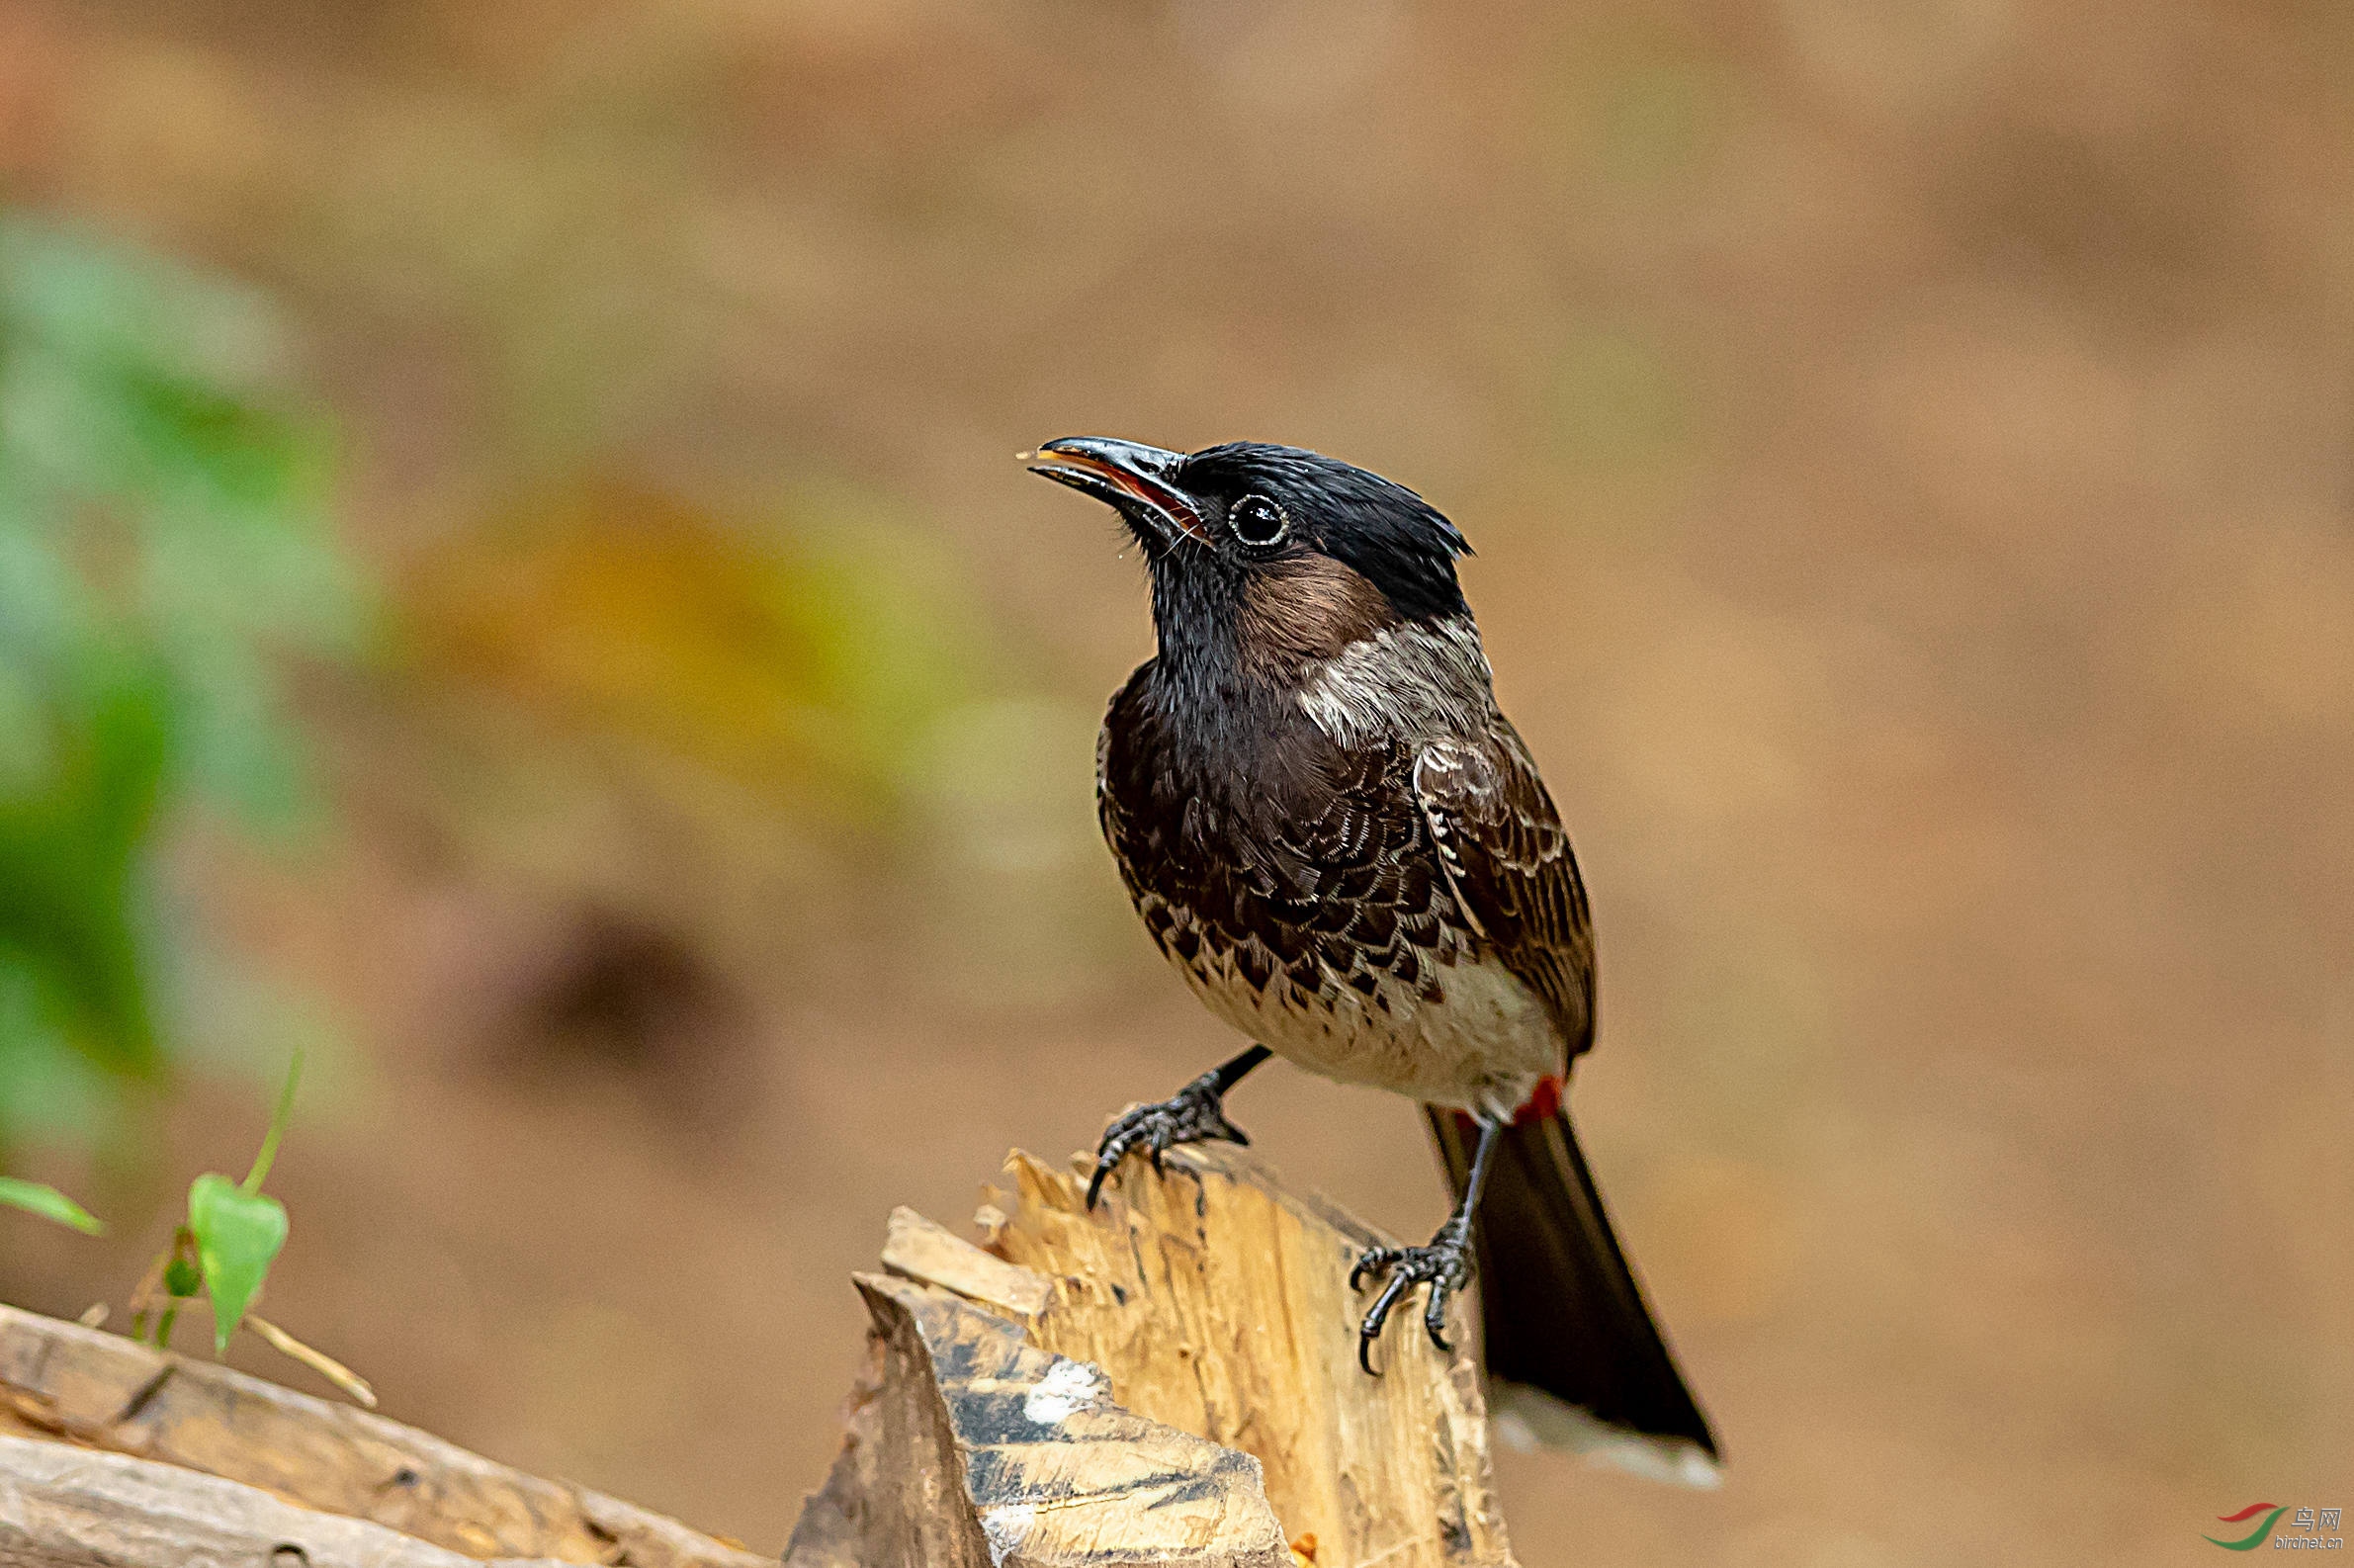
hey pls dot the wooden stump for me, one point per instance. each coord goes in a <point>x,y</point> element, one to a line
<point>974,1450</point>
<point>1169,1380</point>
<point>1213,1306</point>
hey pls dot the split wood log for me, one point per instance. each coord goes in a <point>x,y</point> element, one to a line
<point>1210,1302</point>
<point>64,1507</point>
<point>74,1389</point>
<point>984,1452</point>
<point>1213,1305</point>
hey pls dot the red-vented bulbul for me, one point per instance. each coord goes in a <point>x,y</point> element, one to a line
<point>1346,850</point>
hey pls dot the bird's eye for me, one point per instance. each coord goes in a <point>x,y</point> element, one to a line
<point>1258,521</point>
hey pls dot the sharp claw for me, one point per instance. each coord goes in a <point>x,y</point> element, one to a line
<point>1108,1154</point>
<point>1193,1115</point>
<point>1378,1317</point>
<point>1440,1265</point>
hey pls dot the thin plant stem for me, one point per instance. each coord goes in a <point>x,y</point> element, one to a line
<point>278,1122</point>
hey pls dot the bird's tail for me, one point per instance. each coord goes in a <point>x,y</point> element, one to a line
<point>1574,1357</point>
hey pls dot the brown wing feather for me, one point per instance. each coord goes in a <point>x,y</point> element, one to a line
<point>1509,861</point>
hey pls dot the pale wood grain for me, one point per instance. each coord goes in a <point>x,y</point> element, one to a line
<point>98,1390</point>
<point>1169,1380</point>
<point>68,1507</point>
<point>978,1451</point>
<point>1217,1299</point>
<point>1205,1314</point>
<point>917,1248</point>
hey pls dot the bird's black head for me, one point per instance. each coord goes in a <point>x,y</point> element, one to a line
<point>1273,553</point>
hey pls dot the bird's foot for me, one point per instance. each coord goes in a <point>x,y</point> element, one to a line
<point>1193,1114</point>
<point>1444,1265</point>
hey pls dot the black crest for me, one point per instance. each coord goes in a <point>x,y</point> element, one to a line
<point>1399,542</point>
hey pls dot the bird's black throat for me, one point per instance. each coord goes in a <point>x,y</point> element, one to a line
<point>1203,686</point>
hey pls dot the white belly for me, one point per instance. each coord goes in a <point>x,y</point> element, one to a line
<point>1481,1047</point>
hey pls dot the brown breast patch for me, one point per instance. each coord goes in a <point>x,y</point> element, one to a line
<point>1307,608</point>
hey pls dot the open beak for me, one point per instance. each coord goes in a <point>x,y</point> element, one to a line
<point>1137,481</point>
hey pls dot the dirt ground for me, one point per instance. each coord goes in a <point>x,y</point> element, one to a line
<point>1909,453</point>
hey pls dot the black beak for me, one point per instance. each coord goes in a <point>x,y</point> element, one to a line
<point>1137,481</point>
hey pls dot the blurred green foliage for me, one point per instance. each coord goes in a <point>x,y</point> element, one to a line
<point>163,544</point>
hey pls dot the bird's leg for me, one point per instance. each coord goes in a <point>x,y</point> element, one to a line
<point>1193,1114</point>
<point>1444,1265</point>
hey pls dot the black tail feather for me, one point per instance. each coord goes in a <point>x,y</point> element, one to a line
<point>1561,1311</point>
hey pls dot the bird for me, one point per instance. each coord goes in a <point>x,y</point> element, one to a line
<point>1339,841</point>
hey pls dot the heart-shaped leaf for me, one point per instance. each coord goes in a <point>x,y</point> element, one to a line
<point>237,1238</point>
<point>38,1197</point>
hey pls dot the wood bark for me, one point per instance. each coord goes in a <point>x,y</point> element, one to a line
<point>1211,1303</point>
<point>93,1390</point>
<point>1169,1380</point>
<point>976,1449</point>
<point>68,1507</point>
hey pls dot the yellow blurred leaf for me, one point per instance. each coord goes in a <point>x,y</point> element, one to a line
<point>810,668</point>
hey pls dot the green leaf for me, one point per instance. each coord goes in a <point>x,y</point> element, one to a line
<point>181,1278</point>
<point>73,872</point>
<point>166,540</point>
<point>239,1235</point>
<point>48,1088</point>
<point>36,1197</point>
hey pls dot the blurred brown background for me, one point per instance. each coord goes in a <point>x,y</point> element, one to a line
<point>1911,453</point>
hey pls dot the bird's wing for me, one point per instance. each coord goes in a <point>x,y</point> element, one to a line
<point>1508,860</point>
